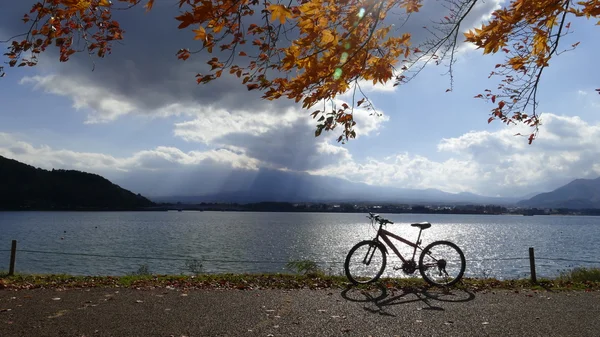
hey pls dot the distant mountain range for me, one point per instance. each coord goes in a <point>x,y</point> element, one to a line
<point>26,187</point>
<point>578,194</point>
<point>282,186</point>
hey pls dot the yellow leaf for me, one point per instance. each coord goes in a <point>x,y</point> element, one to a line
<point>200,33</point>
<point>306,25</point>
<point>77,5</point>
<point>309,8</point>
<point>327,37</point>
<point>322,22</point>
<point>411,5</point>
<point>104,3</point>
<point>516,62</point>
<point>279,12</point>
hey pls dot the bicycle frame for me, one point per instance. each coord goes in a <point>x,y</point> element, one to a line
<point>385,235</point>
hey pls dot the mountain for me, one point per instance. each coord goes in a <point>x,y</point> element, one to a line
<point>286,186</point>
<point>578,194</point>
<point>27,187</point>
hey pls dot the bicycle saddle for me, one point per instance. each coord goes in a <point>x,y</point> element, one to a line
<point>422,225</point>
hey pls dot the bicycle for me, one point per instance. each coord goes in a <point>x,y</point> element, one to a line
<point>431,263</point>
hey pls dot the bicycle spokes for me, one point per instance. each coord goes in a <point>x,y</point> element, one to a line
<point>442,263</point>
<point>365,262</point>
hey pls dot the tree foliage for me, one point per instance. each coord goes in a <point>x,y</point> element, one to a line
<point>312,50</point>
<point>25,187</point>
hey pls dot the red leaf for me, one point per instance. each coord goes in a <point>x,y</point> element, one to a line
<point>494,99</point>
<point>490,120</point>
<point>501,105</point>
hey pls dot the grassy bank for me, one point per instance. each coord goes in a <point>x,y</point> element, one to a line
<point>578,279</point>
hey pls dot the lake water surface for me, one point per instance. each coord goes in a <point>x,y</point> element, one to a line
<point>118,243</point>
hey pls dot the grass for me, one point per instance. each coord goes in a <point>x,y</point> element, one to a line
<point>569,281</point>
<point>581,275</point>
<point>307,276</point>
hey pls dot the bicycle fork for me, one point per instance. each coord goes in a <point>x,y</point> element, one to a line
<point>369,255</point>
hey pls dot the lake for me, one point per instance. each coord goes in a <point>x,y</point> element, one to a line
<point>119,243</point>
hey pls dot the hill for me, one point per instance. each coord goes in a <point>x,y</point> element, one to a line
<point>578,194</point>
<point>26,187</point>
<point>286,186</point>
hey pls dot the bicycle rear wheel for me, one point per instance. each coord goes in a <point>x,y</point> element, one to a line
<point>442,263</point>
<point>365,262</point>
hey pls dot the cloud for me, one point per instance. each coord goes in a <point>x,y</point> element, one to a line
<point>160,158</point>
<point>246,133</point>
<point>217,123</point>
<point>143,75</point>
<point>280,140</point>
<point>487,163</point>
<point>490,163</point>
<point>103,104</point>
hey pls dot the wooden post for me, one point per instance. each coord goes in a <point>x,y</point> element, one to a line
<point>13,255</point>
<point>532,265</point>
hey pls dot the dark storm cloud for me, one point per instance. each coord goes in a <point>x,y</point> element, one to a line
<point>293,147</point>
<point>144,67</point>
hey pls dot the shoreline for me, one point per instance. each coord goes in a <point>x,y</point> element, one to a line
<point>283,281</point>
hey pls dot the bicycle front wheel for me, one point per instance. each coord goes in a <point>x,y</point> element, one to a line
<point>365,262</point>
<point>442,263</point>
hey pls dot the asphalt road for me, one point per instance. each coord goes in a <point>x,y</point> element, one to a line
<point>333,312</point>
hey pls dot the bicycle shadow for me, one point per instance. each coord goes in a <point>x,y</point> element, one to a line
<point>382,297</point>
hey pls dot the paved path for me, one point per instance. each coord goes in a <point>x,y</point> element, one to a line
<point>333,312</point>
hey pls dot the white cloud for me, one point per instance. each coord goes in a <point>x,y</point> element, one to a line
<point>103,104</point>
<point>212,124</point>
<point>407,171</point>
<point>490,163</point>
<point>160,158</point>
<point>211,121</point>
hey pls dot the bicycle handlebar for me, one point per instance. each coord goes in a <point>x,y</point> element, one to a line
<point>379,219</point>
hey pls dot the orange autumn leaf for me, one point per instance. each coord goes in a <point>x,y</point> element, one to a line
<point>279,12</point>
<point>149,5</point>
<point>200,33</point>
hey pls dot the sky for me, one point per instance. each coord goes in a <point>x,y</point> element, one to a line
<point>139,119</point>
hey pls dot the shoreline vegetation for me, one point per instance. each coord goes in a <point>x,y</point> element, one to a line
<point>331,207</point>
<point>582,279</point>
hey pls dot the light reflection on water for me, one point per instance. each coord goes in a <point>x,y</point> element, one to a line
<point>274,238</point>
